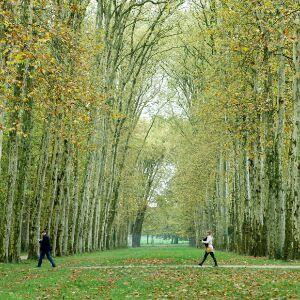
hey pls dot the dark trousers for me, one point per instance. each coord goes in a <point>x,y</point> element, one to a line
<point>42,256</point>
<point>205,257</point>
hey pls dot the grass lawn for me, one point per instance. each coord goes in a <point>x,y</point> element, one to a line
<point>25,281</point>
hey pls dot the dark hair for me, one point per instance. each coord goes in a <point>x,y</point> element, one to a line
<point>44,230</point>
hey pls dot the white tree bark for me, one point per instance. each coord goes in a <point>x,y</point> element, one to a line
<point>1,134</point>
<point>296,173</point>
<point>279,140</point>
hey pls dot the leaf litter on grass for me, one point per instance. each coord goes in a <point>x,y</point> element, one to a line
<point>148,261</point>
<point>159,282</point>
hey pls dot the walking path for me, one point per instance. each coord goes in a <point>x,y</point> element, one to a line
<point>190,266</point>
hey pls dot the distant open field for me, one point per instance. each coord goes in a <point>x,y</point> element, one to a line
<point>158,241</point>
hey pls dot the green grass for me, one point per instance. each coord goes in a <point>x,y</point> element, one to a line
<point>25,281</point>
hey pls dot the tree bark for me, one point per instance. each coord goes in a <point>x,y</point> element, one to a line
<point>291,245</point>
<point>36,205</point>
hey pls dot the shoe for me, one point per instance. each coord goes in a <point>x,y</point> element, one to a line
<point>200,265</point>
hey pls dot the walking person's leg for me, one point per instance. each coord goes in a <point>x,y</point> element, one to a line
<point>42,255</point>
<point>204,258</point>
<point>50,259</point>
<point>212,254</point>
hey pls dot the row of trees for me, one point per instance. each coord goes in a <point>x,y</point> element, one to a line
<point>237,169</point>
<point>75,78</point>
<point>75,157</point>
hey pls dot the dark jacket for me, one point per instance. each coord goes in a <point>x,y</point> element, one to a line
<point>203,240</point>
<point>45,244</point>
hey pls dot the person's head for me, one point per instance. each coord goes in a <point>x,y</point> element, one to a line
<point>209,232</point>
<point>44,232</point>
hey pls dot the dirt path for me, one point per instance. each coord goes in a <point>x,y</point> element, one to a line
<point>287,267</point>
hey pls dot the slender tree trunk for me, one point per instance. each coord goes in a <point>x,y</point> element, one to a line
<point>22,180</point>
<point>11,188</point>
<point>225,204</point>
<point>13,160</point>
<point>248,197</point>
<point>237,225</point>
<point>68,188</point>
<point>278,162</point>
<point>1,136</point>
<point>88,205</point>
<point>291,245</point>
<point>91,213</point>
<point>296,229</point>
<point>58,214</point>
<point>74,205</point>
<point>84,205</point>
<point>53,182</point>
<point>36,205</point>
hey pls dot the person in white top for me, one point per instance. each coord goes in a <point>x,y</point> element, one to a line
<point>209,249</point>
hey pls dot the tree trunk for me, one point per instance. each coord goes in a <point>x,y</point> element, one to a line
<point>84,205</point>
<point>36,205</point>
<point>1,136</point>
<point>68,188</point>
<point>278,161</point>
<point>247,203</point>
<point>137,227</point>
<point>291,245</point>
<point>74,205</point>
<point>11,188</point>
<point>23,167</point>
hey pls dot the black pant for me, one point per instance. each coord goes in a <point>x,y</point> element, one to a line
<point>205,257</point>
<point>42,255</point>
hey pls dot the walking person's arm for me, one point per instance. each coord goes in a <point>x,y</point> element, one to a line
<point>209,240</point>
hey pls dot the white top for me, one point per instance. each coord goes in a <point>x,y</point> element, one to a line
<point>209,241</point>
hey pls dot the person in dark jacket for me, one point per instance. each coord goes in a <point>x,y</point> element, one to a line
<point>45,249</point>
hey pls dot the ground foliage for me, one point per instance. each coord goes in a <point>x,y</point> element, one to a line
<point>68,281</point>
